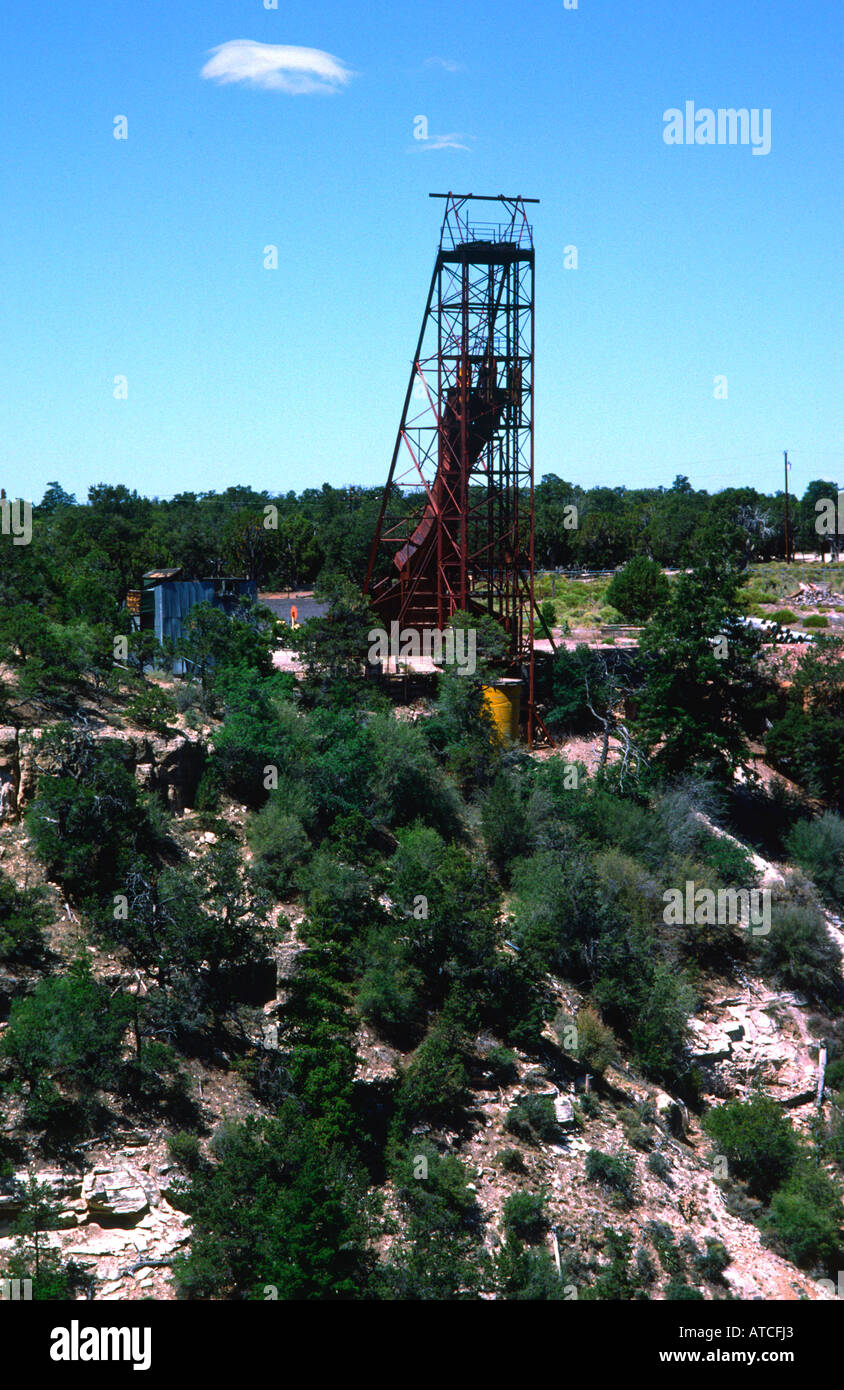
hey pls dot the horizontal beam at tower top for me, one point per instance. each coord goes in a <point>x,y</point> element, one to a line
<point>485,197</point>
<point>485,253</point>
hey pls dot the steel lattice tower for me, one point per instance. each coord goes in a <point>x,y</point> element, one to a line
<point>457,512</point>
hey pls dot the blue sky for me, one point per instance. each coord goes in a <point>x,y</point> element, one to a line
<point>144,257</point>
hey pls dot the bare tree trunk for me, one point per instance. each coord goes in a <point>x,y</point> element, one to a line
<point>605,745</point>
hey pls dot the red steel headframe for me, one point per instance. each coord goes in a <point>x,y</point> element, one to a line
<point>456,525</point>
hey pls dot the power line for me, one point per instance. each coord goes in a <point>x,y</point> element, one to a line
<point>787,554</point>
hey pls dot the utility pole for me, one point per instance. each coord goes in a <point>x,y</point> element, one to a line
<point>787,546</point>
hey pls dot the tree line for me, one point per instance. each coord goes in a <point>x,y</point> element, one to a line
<point>91,553</point>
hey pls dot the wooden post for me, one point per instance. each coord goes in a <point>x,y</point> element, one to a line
<point>821,1074</point>
<point>555,1244</point>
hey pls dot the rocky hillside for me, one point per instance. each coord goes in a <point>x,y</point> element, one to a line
<point>121,1195</point>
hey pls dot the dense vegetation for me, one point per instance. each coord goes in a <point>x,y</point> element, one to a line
<point>447,881</point>
<point>84,556</point>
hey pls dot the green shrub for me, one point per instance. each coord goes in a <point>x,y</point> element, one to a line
<point>434,1085</point>
<point>807,744</point>
<point>391,993</point>
<point>645,1267</point>
<point>662,1239</point>
<point>578,679</point>
<point>61,1120</point>
<point>405,784</point>
<point>275,1208</point>
<point>512,1161</point>
<point>627,827</point>
<point>783,615</point>
<point>834,1075</point>
<point>677,1290</point>
<point>152,708</point>
<point>542,626</point>
<point>23,915</point>
<point>199,928</point>
<point>655,1002</point>
<point>70,1028</point>
<point>436,1255</point>
<point>212,641</point>
<point>636,1134</point>
<point>757,1140</point>
<point>695,711</point>
<point>533,1120</point>
<point>638,589</point>
<point>503,821</point>
<point>184,1150</point>
<point>260,730</point>
<point>559,911</point>
<point>529,1274</point>
<point>52,657</point>
<point>617,1281</point>
<point>224,1139</point>
<point>462,732</point>
<point>731,862</point>
<point>524,1216</point>
<point>805,1219</point>
<point>339,902</point>
<point>658,1164</point>
<point>426,1179</point>
<point>832,1140</point>
<point>53,1278</point>
<point>818,847</point>
<point>209,791</point>
<point>613,1171</point>
<point>88,823</point>
<point>816,620</point>
<point>594,1044</point>
<point>799,953</point>
<point>711,1264</point>
<point>279,841</point>
<point>155,1081</point>
<point>502,1063</point>
<point>589,1105</point>
<point>186,696</point>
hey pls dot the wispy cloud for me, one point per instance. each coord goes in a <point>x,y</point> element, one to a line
<point>443,142</point>
<point>277,67</point>
<point>447,64</point>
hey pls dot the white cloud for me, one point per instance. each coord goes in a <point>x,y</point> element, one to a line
<point>277,67</point>
<point>447,64</point>
<point>443,142</point>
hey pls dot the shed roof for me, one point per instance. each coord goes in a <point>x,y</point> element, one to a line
<point>161,575</point>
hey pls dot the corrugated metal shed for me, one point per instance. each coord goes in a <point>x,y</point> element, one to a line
<point>166,604</point>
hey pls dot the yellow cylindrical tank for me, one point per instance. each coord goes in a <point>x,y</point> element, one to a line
<point>503,700</point>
